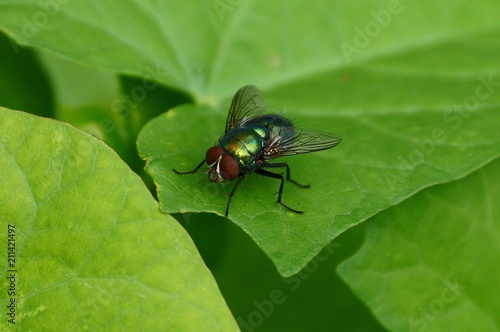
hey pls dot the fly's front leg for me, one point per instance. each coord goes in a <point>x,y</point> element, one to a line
<point>285,165</point>
<point>280,193</point>
<point>240,177</point>
<point>190,172</point>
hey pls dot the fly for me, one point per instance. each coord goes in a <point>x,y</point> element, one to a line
<point>252,139</point>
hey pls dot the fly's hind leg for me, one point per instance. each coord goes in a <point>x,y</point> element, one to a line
<point>280,193</point>
<point>285,165</point>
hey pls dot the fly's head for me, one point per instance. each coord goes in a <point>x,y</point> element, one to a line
<point>221,166</point>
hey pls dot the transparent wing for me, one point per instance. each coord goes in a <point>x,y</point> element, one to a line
<point>290,142</point>
<point>246,105</point>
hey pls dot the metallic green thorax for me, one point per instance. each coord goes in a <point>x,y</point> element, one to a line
<point>246,143</point>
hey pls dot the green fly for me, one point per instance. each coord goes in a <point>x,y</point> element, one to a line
<point>252,139</point>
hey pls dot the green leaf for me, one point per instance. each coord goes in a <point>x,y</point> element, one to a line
<point>432,263</point>
<point>215,47</point>
<point>142,38</point>
<point>413,91</point>
<point>347,186</point>
<point>92,249</point>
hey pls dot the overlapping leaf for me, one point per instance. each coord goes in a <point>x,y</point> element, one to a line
<point>432,263</point>
<point>92,249</point>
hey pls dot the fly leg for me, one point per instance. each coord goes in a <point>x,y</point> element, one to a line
<point>190,172</point>
<point>285,165</point>
<point>280,193</point>
<point>240,177</point>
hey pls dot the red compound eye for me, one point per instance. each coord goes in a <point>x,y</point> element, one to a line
<point>228,167</point>
<point>213,154</point>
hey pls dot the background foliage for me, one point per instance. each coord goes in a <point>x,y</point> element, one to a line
<point>413,90</point>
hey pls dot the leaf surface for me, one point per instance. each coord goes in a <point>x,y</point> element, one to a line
<point>92,248</point>
<point>432,263</point>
